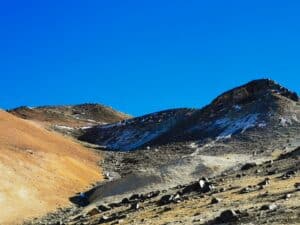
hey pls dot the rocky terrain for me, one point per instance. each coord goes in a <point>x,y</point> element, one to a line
<point>235,161</point>
<point>265,193</point>
<point>70,119</point>
<point>253,122</point>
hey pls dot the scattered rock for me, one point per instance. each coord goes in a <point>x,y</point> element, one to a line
<point>222,189</point>
<point>151,194</point>
<point>238,175</point>
<point>203,186</point>
<point>135,206</point>
<point>287,196</point>
<point>288,174</point>
<point>176,198</point>
<point>227,216</point>
<point>264,183</point>
<point>257,171</point>
<point>166,199</point>
<point>248,166</point>
<point>125,201</point>
<point>135,197</point>
<point>215,201</point>
<point>104,208</point>
<point>245,190</point>
<point>270,207</point>
<point>92,212</point>
<point>272,172</point>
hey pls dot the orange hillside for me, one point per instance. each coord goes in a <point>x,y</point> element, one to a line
<point>39,169</point>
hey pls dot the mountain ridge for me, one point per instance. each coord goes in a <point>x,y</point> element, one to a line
<point>259,97</point>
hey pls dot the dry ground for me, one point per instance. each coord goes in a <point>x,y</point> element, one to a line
<point>40,169</point>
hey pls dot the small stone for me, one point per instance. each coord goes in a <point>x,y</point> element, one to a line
<point>176,198</point>
<point>287,196</point>
<point>103,208</point>
<point>222,189</point>
<point>135,197</point>
<point>238,175</point>
<point>224,174</point>
<point>135,206</point>
<point>104,219</point>
<point>227,216</point>
<point>245,190</point>
<point>264,183</point>
<point>215,201</point>
<point>166,199</point>
<point>270,207</point>
<point>272,172</point>
<point>92,212</point>
<point>125,201</point>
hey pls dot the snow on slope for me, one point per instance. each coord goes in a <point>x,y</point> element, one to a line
<point>232,126</point>
<point>133,133</point>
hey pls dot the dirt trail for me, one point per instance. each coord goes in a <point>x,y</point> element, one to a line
<point>39,169</point>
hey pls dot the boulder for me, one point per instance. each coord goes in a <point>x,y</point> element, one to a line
<point>166,199</point>
<point>135,206</point>
<point>135,197</point>
<point>227,216</point>
<point>270,207</point>
<point>125,201</point>
<point>248,166</point>
<point>215,200</point>
<point>202,186</point>
<point>93,212</point>
<point>104,208</point>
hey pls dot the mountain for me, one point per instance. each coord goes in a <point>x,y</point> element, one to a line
<point>40,169</point>
<point>133,133</point>
<point>70,119</point>
<point>259,105</point>
<point>250,123</point>
<point>235,161</point>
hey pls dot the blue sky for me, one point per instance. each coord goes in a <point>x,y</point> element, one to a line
<point>143,56</point>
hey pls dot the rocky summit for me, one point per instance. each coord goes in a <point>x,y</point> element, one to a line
<point>234,161</point>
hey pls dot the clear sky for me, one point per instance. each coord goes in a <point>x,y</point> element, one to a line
<point>143,56</point>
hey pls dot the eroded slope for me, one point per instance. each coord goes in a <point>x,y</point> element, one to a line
<point>40,169</point>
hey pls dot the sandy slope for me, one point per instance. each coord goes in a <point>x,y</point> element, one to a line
<point>39,169</point>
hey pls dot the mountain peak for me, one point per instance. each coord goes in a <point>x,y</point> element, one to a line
<point>252,90</point>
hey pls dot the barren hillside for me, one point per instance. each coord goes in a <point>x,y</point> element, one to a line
<point>40,169</point>
<point>70,119</point>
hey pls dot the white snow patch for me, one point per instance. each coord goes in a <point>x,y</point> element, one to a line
<point>237,107</point>
<point>262,124</point>
<point>285,121</point>
<point>86,127</point>
<point>63,127</point>
<point>193,145</point>
<point>131,139</point>
<point>221,137</point>
<point>233,126</point>
<point>118,124</point>
<point>294,117</point>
